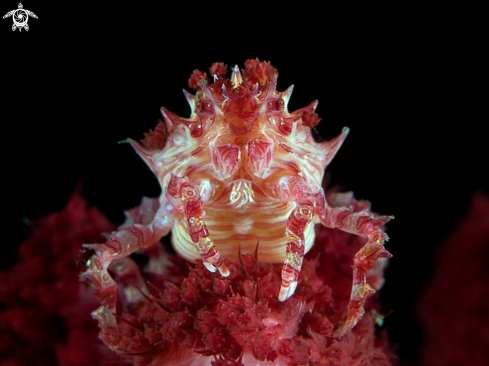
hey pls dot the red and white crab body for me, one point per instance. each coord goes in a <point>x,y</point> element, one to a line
<point>241,174</point>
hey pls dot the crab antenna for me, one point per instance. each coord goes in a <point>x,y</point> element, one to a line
<point>236,78</point>
<point>207,92</point>
<point>254,92</point>
<point>226,93</point>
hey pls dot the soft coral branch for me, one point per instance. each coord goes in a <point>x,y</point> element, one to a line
<point>455,307</point>
<point>46,319</point>
<point>201,317</point>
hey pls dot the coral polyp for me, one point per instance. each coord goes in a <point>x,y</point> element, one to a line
<point>242,175</point>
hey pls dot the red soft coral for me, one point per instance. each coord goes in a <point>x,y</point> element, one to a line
<point>310,119</point>
<point>155,140</point>
<point>218,69</point>
<point>258,72</point>
<point>46,319</point>
<point>187,315</point>
<point>455,307</point>
<point>196,79</point>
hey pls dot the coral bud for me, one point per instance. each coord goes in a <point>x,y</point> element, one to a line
<point>218,69</point>
<point>196,79</point>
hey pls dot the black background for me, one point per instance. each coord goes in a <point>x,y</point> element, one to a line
<point>408,83</point>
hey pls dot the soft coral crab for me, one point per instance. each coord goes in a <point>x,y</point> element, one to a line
<point>240,171</point>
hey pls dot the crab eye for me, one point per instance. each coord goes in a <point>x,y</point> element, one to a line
<point>276,105</point>
<point>279,105</point>
<point>204,106</point>
<point>200,107</point>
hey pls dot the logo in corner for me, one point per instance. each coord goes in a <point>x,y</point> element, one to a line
<point>20,17</point>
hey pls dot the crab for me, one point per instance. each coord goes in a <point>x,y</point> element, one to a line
<point>241,175</point>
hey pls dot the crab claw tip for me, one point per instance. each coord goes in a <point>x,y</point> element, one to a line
<point>287,292</point>
<point>223,270</point>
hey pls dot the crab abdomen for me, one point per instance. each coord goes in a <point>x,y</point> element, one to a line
<point>240,218</point>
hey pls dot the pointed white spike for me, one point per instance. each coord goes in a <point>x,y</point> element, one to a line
<point>171,119</point>
<point>310,107</point>
<point>286,97</point>
<point>190,99</point>
<point>314,105</point>
<point>143,152</point>
<point>332,146</point>
<point>236,77</point>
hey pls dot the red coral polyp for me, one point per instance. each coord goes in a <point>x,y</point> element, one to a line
<point>198,79</point>
<point>155,140</point>
<point>239,317</point>
<point>218,69</point>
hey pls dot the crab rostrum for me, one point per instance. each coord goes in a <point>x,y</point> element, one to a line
<point>241,172</point>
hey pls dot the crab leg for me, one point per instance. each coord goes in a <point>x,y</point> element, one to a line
<point>300,216</point>
<point>360,223</point>
<point>365,225</point>
<point>296,223</point>
<point>186,197</point>
<point>142,214</point>
<point>119,245</point>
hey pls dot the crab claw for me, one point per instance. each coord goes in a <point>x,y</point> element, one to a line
<point>186,196</point>
<point>286,292</point>
<point>298,219</point>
